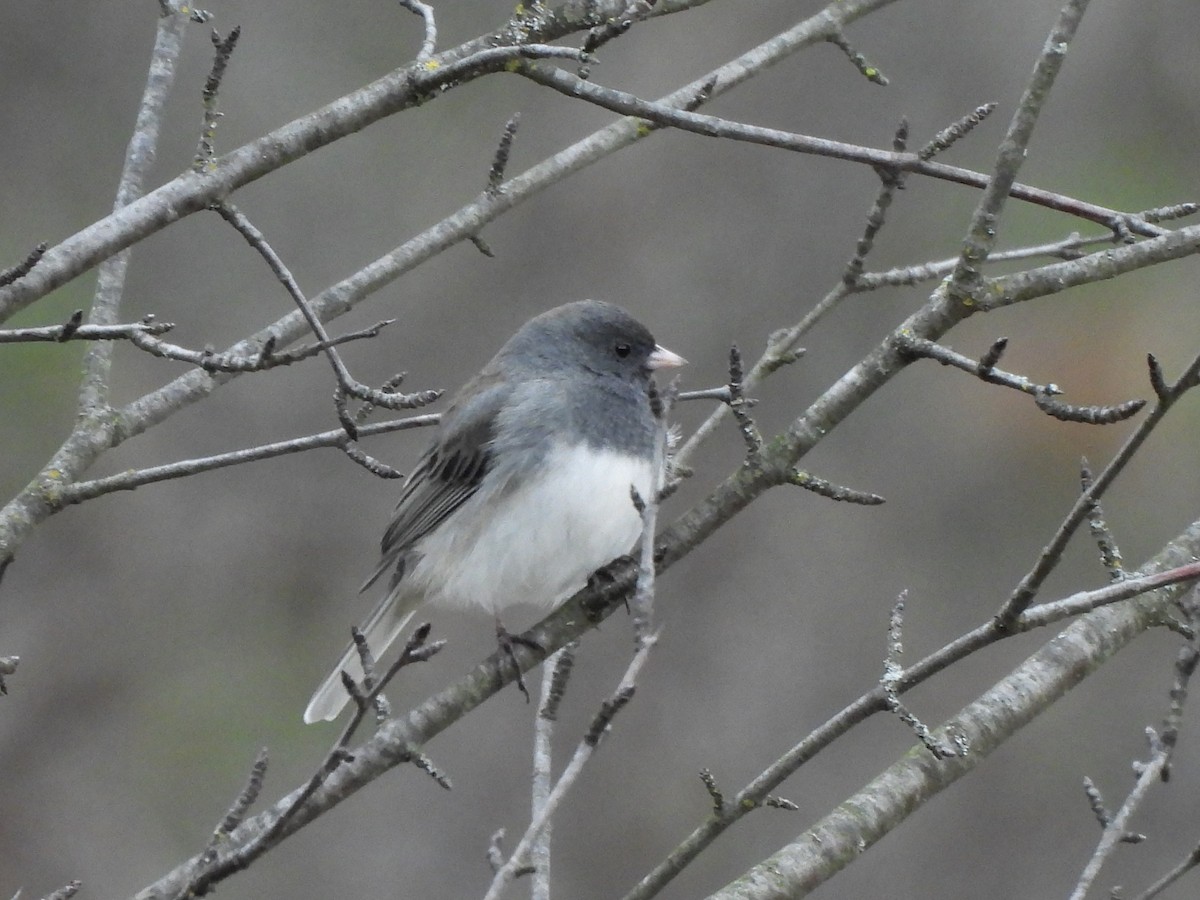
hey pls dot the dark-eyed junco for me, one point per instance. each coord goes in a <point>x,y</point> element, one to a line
<point>526,489</point>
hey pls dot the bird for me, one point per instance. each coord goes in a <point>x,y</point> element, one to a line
<point>525,490</point>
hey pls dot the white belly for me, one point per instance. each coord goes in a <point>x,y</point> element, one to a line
<point>539,542</point>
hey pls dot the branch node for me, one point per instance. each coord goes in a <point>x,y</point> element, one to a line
<point>69,327</point>
<point>988,361</point>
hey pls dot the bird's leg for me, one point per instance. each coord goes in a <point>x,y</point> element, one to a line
<point>508,641</point>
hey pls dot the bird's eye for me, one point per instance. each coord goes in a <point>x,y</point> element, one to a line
<point>623,350</point>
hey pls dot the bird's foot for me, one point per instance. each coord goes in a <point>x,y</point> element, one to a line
<point>600,581</point>
<point>508,642</point>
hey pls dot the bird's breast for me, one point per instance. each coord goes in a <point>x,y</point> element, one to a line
<point>535,537</point>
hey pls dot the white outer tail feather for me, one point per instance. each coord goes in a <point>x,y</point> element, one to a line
<point>381,631</point>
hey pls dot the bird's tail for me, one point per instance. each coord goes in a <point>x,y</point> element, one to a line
<point>380,630</point>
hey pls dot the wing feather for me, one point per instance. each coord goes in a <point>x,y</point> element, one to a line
<point>448,474</point>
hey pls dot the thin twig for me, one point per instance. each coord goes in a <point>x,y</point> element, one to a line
<point>206,149</point>
<point>890,681</point>
<point>503,149</point>
<point>1110,553</point>
<point>956,131</point>
<point>1070,247</point>
<point>425,11</point>
<point>73,330</point>
<point>891,180</point>
<point>1188,863</point>
<point>869,72</point>
<point>266,358</point>
<point>135,478</point>
<point>21,269</point>
<point>237,812</point>
<point>828,489</point>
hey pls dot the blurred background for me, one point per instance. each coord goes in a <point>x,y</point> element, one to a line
<point>167,634</point>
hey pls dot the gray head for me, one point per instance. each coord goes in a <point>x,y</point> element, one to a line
<point>591,335</point>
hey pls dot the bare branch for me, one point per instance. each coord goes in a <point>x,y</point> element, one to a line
<point>1148,773</point>
<point>583,753</point>
<point>135,478</point>
<point>1088,639</point>
<point>1028,587</point>
<point>346,383</point>
<point>139,159</point>
<point>712,126</point>
<point>73,330</point>
<point>981,234</point>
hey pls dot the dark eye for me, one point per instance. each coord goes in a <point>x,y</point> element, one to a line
<point>623,350</point>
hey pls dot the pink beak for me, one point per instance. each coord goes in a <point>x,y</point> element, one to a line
<point>662,358</point>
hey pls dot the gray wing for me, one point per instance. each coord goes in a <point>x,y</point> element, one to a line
<point>447,474</point>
